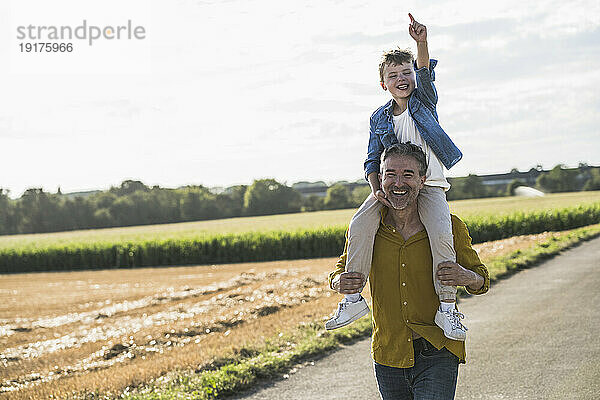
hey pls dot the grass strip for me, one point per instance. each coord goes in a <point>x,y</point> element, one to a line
<point>272,359</point>
<point>277,355</point>
<point>503,266</point>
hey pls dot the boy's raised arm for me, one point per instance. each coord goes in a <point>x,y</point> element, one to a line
<point>418,32</point>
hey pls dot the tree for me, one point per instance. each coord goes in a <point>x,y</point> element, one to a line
<point>198,203</point>
<point>593,183</point>
<point>123,211</point>
<point>360,194</point>
<point>129,187</point>
<point>7,213</point>
<point>267,196</point>
<point>338,196</point>
<point>39,212</point>
<point>473,187</point>
<point>469,187</point>
<point>558,179</point>
<point>231,201</point>
<point>313,203</point>
<point>79,212</point>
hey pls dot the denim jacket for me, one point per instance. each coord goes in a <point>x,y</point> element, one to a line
<point>421,105</point>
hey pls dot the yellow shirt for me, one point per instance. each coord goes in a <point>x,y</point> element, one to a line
<point>404,299</point>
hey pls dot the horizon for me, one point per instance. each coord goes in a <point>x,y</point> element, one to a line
<point>212,188</point>
<point>220,94</point>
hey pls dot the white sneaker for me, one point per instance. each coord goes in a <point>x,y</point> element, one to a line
<point>347,313</point>
<point>450,323</point>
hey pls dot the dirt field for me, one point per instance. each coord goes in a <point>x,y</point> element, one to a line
<point>106,330</point>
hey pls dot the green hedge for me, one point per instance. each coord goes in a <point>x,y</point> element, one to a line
<point>261,246</point>
<point>494,228</point>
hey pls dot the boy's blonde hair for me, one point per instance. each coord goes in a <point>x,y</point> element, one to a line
<point>397,56</point>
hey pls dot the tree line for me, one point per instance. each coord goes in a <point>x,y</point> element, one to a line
<point>134,203</point>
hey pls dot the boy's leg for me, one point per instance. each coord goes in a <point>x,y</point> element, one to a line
<point>435,215</point>
<point>361,236</point>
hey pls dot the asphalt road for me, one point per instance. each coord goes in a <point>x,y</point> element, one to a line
<point>535,335</point>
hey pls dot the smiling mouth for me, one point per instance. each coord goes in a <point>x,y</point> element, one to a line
<point>399,192</point>
<point>402,87</point>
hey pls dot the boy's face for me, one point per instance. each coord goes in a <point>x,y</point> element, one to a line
<point>399,79</point>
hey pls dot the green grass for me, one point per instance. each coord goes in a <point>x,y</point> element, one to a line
<point>277,355</point>
<point>261,246</point>
<point>503,266</point>
<point>508,205</point>
<point>284,222</point>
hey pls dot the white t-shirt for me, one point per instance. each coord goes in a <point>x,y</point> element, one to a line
<point>406,131</point>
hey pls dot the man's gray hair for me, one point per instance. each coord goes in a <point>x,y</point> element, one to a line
<point>407,149</point>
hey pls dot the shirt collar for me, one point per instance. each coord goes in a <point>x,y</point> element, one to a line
<point>389,108</point>
<point>396,236</point>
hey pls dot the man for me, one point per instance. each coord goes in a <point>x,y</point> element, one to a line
<point>413,359</point>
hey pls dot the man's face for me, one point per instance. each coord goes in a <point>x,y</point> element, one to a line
<point>400,181</point>
<point>399,79</point>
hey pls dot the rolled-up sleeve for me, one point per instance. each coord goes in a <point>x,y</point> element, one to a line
<point>466,255</point>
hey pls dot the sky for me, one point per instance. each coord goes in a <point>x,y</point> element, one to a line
<point>224,92</point>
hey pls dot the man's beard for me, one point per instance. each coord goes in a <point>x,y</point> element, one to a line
<point>401,202</point>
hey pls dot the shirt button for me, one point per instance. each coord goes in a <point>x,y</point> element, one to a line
<point>403,284</point>
<point>409,339</point>
<point>404,265</point>
<point>404,303</point>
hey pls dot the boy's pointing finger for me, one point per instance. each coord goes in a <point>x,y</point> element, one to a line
<point>412,20</point>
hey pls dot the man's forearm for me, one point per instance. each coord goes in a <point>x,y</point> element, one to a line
<point>422,55</point>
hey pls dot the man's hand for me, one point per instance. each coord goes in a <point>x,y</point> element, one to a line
<point>417,30</point>
<point>380,196</point>
<point>453,274</point>
<point>349,282</point>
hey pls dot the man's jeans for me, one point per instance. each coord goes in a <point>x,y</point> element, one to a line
<point>433,377</point>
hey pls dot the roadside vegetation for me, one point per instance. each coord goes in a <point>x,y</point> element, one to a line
<point>259,246</point>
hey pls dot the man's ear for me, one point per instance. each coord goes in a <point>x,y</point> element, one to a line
<point>383,86</point>
<point>423,178</point>
<point>379,177</point>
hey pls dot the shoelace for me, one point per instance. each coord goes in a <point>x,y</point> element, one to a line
<point>455,318</point>
<point>342,305</point>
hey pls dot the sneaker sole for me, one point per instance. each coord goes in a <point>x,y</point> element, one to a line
<point>358,315</point>
<point>439,324</point>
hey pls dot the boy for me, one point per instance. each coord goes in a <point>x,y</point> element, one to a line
<point>409,117</point>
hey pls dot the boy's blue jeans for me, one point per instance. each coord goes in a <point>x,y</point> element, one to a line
<point>433,377</point>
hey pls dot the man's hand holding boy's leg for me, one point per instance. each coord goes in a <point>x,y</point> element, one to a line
<point>348,283</point>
